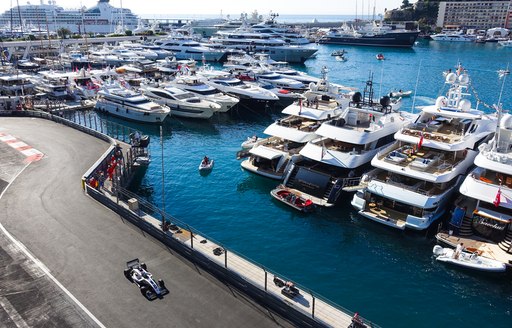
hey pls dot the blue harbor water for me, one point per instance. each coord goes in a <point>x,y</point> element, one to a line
<point>387,276</point>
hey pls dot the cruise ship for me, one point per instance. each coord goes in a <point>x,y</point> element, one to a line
<point>102,18</point>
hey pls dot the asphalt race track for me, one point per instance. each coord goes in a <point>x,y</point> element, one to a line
<point>85,247</point>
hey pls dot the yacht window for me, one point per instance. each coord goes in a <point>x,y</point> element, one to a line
<point>163,94</point>
<point>137,101</point>
<point>184,96</point>
<point>207,92</point>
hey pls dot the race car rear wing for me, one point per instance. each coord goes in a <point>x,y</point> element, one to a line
<point>132,264</point>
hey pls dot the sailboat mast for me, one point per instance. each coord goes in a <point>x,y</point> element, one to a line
<point>122,15</point>
<point>19,13</point>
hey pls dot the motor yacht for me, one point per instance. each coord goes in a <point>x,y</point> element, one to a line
<point>485,208</point>
<point>182,103</point>
<point>273,157</point>
<point>131,105</point>
<point>16,85</point>
<point>184,48</point>
<point>54,84</point>
<point>415,178</point>
<point>205,92</point>
<point>343,148</point>
<point>249,95</point>
<point>250,41</point>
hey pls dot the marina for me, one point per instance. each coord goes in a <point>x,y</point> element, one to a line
<point>342,190</point>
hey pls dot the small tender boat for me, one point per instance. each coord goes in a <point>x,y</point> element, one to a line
<point>206,166</point>
<point>379,56</point>
<point>400,93</point>
<point>341,53</point>
<point>294,200</point>
<point>468,260</point>
<point>250,142</point>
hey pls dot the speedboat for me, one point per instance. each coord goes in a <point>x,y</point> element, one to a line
<point>206,166</point>
<point>293,199</point>
<point>341,52</point>
<point>468,260</point>
<point>400,94</point>
<point>250,142</point>
<point>130,105</point>
<point>182,103</point>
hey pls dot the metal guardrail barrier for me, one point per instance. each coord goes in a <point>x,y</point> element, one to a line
<point>254,279</point>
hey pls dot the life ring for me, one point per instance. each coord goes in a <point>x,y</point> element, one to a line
<point>444,102</point>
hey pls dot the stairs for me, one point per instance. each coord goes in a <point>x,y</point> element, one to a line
<point>506,244</point>
<point>465,227</point>
<point>328,190</point>
<point>291,178</point>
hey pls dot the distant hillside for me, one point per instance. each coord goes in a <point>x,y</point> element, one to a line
<point>423,11</point>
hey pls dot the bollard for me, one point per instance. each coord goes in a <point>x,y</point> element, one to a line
<point>225,258</point>
<point>312,305</point>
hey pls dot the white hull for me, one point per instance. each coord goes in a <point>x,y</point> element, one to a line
<point>130,114</point>
<point>181,111</point>
<point>207,167</point>
<point>468,260</point>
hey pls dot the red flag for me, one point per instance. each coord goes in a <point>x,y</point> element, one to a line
<point>300,105</point>
<point>497,200</point>
<point>420,142</point>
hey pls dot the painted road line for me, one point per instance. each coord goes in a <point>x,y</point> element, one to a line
<point>32,154</point>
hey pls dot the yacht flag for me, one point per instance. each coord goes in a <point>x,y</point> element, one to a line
<point>497,199</point>
<point>300,106</point>
<point>421,141</point>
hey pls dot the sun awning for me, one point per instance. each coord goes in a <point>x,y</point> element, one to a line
<point>265,152</point>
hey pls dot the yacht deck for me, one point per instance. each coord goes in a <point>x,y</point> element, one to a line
<point>414,185</point>
<point>436,130</point>
<point>425,160</point>
<point>388,216</point>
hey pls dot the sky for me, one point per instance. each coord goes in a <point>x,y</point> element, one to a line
<point>166,8</point>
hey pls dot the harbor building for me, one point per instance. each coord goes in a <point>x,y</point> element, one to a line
<point>37,18</point>
<point>474,14</point>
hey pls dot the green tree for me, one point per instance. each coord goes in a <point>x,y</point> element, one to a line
<point>63,32</point>
<point>405,4</point>
<point>128,33</point>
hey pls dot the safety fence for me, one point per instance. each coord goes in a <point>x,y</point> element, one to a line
<point>298,304</point>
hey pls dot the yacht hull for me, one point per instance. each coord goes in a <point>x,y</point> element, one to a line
<point>404,40</point>
<point>130,114</point>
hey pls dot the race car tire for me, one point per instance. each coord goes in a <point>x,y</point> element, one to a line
<point>144,266</point>
<point>161,283</point>
<point>127,274</point>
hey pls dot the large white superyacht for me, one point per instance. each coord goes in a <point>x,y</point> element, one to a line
<point>277,49</point>
<point>415,178</point>
<point>344,147</point>
<point>484,211</point>
<point>273,156</point>
<point>131,105</point>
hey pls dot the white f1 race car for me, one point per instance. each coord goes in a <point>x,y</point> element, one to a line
<point>137,273</point>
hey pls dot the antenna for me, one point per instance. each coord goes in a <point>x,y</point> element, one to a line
<point>416,87</point>
<point>499,109</point>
